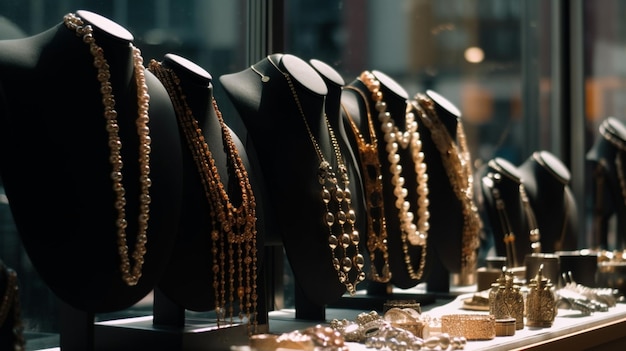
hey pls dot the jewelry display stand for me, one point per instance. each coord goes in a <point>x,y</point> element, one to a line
<point>166,330</point>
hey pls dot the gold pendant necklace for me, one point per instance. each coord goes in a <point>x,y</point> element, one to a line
<point>129,275</point>
<point>373,184</point>
<point>233,234</point>
<point>412,234</point>
<point>345,217</point>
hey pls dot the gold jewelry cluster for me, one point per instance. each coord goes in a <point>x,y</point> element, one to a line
<point>130,275</point>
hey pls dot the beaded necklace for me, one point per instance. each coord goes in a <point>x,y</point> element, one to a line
<point>233,232</point>
<point>458,167</point>
<point>345,216</point>
<point>373,184</point>
<point>11,301</point>
<point>412,234</point>
<point>129,275</point>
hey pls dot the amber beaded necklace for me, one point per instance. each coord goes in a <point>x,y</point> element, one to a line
<point>345,216</point>
<point>411,233</point>
<point>129,275</point>
<point>233,234</point>
<point>373,184</point>
<point>458,167</point>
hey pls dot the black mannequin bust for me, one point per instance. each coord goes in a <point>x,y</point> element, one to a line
<point>56,168</point>
<point>188,278</point>
<point>504,209</point>
<point>546,180</point>
<point>274,98</point>
<point>607,189</point>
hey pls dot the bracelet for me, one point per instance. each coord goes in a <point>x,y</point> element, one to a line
<point>470,326</point>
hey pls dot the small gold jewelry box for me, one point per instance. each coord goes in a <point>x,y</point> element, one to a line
<point>505,327</point>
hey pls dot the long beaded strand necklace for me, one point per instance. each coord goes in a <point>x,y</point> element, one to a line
<point>345,214</point>
<point>11,303</point>
<point>129,275</point>
<point>458,167</point>
<point>373,184</point>
<point>234,227</point>
<point>412,234</point>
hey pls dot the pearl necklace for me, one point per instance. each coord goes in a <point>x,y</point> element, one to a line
<point>129,275</point>
<point>236,224</point>
<point>457,163</point>
<point>345,216</point>
<point>373,186</point>
<point>412,234</point>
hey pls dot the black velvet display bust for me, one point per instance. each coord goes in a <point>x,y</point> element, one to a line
<point>608,194</point>
<point>56,170</point>
<point>187,280</point>
<point>546,180</point>
<point>289,162</point>
<point>504,210</point>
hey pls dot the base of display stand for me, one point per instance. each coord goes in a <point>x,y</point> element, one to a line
<point>141,334</point>
<point>376,303</point>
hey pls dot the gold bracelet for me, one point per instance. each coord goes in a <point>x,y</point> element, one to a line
<point>470,326</point>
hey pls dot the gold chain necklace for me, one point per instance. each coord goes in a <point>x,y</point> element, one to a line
<point>458,167</point>
<point>11,301</point>
<point>373,184</point>
<point>412,234</point>
<point>507,229</point>
<point>129,275</point>
<point>345,216</point>
<point>236,224</point>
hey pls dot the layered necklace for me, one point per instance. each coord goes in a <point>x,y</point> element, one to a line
<point>457,163</point>
<point>11,303</point>
<point>233,234</point>
<point>344,218</point>
<point>411,234</point>
<point>373,184</point>
<point>130,275</point>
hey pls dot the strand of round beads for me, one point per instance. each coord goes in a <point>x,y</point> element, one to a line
<point>233,233</point>
<point>412,234</point>
<point>130,275</point>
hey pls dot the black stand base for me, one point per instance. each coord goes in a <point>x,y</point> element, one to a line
<point>376,303</point>
<point>141,334</point>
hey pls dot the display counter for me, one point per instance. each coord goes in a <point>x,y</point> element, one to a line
<point>570,331</point>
